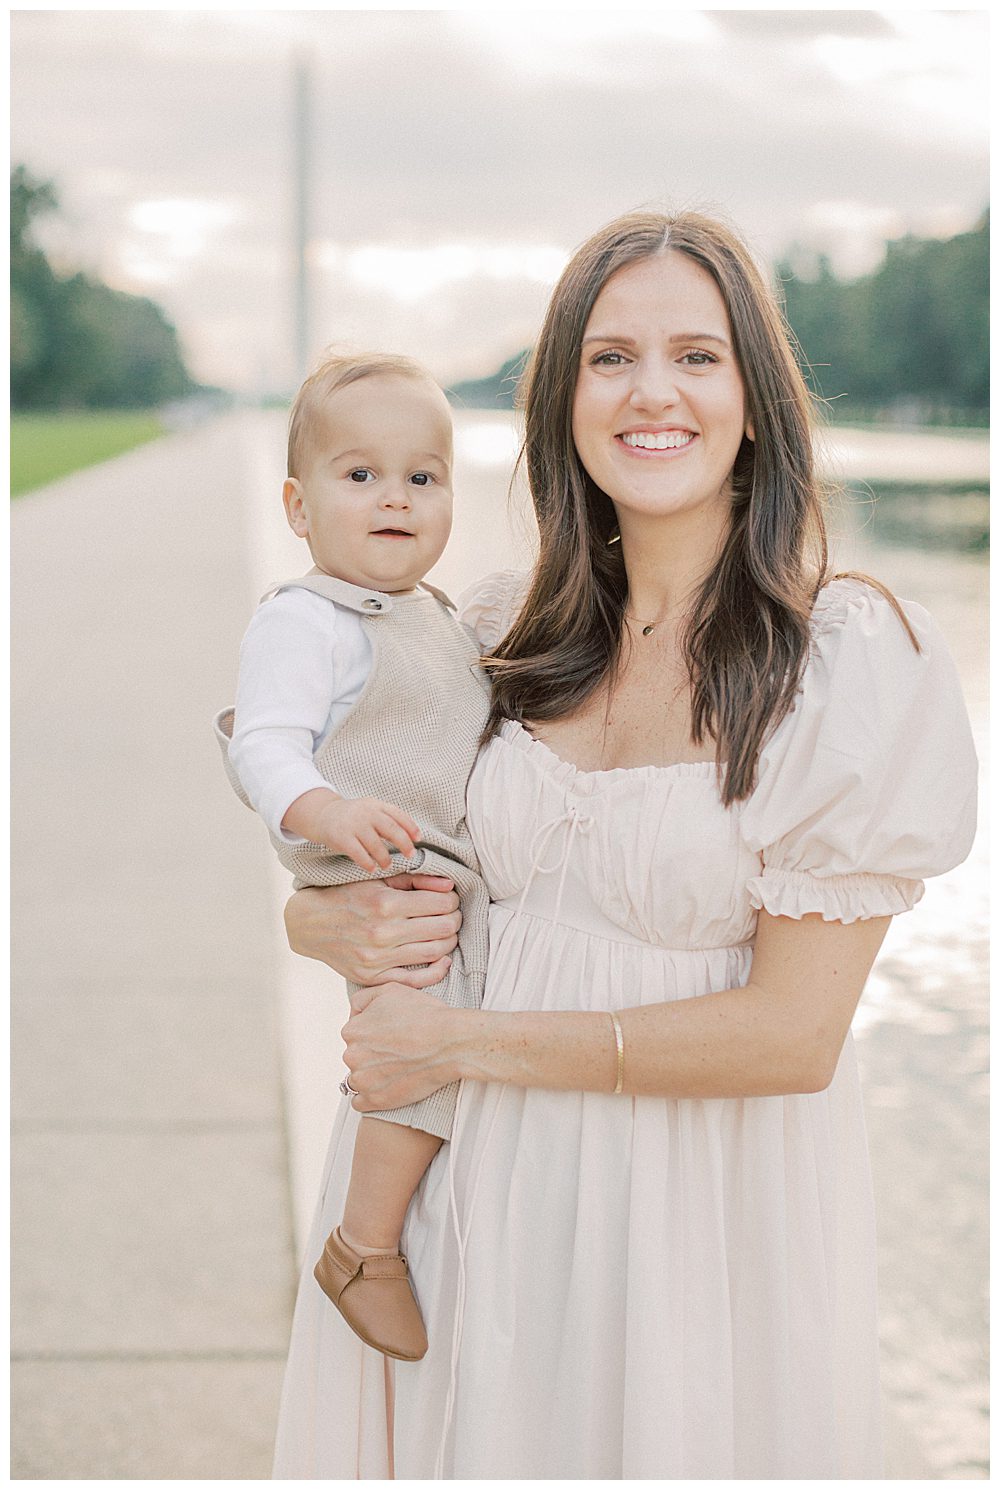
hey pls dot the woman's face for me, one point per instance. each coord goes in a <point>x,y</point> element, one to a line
<point>659,410</point>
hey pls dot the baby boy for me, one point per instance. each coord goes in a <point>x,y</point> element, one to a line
<point>359,708</point>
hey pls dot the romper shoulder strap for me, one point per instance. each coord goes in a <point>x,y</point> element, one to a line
<point>439,595</point>
<point>353,597</point>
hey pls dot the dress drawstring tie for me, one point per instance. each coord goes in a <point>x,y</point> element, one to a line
<point>577,822</point>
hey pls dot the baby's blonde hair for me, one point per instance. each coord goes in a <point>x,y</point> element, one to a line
<point>336,372</point>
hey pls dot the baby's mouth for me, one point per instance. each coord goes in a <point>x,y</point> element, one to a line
<point>391,533</point>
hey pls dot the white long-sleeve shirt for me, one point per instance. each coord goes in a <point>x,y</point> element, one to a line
<point>304,662</point>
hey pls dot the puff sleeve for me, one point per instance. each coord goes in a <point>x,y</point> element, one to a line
<point>869,785</point>
<point>489,607</point>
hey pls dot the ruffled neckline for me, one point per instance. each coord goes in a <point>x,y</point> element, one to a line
<point>515,734</point>
<point>834,603</point>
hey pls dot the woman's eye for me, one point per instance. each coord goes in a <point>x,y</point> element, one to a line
<point>361,474</point>
<point>421,478</point>
<point>608,359</point>
<point>698,359</point>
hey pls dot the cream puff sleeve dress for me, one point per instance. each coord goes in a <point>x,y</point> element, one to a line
<point>632,1288</point>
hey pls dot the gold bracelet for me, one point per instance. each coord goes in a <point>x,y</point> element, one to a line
<point>620,1046</point>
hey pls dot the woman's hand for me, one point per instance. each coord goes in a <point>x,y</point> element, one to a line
<point>370,931</point>
<point>401,1045</point>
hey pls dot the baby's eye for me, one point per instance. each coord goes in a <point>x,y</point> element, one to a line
<point>421,478</point>
<point>361,474</point>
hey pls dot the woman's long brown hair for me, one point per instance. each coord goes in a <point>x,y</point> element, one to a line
<point>746,640</point>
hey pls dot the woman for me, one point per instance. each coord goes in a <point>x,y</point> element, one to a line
<point>711,778</point>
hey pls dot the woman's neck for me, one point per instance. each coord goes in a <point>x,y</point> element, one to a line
<point>667,558</point>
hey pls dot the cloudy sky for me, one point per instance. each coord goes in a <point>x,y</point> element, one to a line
<point>458,156</point>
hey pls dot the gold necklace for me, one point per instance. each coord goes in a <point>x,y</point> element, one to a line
<point>647,626</point>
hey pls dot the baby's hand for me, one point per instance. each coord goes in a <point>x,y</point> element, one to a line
<point>357,826</point>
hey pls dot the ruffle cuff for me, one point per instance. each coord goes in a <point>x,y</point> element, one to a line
<point>836,897</point>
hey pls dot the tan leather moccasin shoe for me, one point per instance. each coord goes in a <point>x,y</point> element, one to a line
<point>375,1297</point>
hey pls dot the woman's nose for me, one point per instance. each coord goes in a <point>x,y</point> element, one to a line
<point>654,386</point>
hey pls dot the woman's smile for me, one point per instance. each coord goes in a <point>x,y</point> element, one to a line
<point>648,441</point>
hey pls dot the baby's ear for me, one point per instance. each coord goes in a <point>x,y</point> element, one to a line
<point>291,495</point>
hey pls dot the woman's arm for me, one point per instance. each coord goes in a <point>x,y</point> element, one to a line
<point>371,930</point>
<point>781,1033</point>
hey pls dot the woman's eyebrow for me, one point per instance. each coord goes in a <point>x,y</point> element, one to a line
<point>629,341</point>
<point>625,341</point>
<point>701,336</point>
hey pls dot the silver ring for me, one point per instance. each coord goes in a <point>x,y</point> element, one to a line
<point>347,1089</point>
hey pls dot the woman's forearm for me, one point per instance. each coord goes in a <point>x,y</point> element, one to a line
<point>734,1043</point>
<point>780,1033</point>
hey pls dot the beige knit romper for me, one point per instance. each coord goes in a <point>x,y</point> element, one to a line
<point>412,739</point>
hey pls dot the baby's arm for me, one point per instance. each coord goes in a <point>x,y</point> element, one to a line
<point>299,659</point>
<point>355,826</point>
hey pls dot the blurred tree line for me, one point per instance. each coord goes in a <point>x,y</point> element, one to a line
<point>908,342</point>
<point>75,342</point>
<point>911,339</point>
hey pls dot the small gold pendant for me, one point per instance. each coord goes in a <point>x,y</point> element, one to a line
<point>647,629</point>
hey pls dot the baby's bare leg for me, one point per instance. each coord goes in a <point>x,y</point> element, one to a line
<point>360,1270</point>
<point>389,1163</point>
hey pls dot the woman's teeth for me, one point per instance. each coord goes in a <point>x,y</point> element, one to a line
<point>660,441</point>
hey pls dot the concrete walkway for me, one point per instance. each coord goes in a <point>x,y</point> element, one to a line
<point>153,1258</point>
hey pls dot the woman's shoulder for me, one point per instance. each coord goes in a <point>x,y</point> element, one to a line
<point>878,670</point>
<point>873,769</point>
<point>490,605</point>
<point>855,601</point>
<point>859,626</point>
<point>872,653</point>
<point>860,610</point>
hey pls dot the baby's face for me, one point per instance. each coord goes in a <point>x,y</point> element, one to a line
<point>374,497</point>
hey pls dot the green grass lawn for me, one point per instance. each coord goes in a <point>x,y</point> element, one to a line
<point>46,446</point>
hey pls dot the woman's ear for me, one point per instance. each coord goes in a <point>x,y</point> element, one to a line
<point>749,430</point>
<point>291,495</point>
